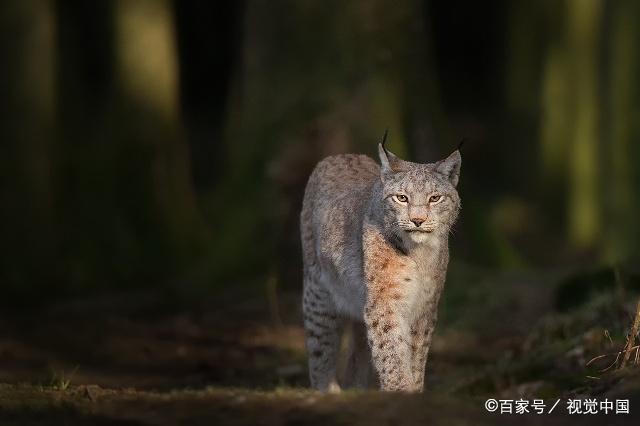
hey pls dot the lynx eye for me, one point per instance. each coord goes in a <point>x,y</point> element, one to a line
<point>401,198</point>
<point>435,198</point>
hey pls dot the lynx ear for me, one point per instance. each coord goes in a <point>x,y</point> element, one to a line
<point>450,167</point>
<point>388,161</point>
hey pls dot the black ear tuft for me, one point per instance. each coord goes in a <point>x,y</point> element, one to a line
<point>462,143</point>
<point>384,138</point>
<point>389,163</point>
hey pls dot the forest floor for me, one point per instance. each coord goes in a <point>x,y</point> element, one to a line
<point>141,360</point>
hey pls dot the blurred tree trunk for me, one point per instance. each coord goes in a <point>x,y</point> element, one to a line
<point>525,45</point>
<point>621,194</point>
<point>428,136</point>
<point>86,172</point>
<point>571,124</point>
<point>557,110</point>
<point>152,137</point>
<point>584,31</point>
<point>209,38</point>
<point>27,109</point>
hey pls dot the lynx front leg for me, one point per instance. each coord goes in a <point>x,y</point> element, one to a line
<point>389,347</point>
<point>322,331</point>
<point>385,267</point>
<point>421,333</point>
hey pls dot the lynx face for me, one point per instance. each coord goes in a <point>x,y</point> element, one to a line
<point>419,199</point>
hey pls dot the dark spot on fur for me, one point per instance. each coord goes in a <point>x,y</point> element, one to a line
<point>386,328</point>
<point>312,335</point>
<point>317,324</point>
<point>385,264</point>
<point>316,354</point>
<point>407,279</point>
<point>374,324</point>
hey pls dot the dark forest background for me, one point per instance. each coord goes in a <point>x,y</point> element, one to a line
<point>166,144</point>
<point>153,158</point>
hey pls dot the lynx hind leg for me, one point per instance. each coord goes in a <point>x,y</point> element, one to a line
<point>359,370</point>
<point>322,331</point>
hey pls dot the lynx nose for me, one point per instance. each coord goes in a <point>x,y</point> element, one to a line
<point>417,221</point>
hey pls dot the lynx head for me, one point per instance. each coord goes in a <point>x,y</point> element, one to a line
<point>420,201</point>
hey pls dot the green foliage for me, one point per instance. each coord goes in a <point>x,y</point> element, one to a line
<point>61,380</point>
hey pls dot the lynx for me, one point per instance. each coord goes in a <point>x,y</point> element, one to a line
<point>375,254</point>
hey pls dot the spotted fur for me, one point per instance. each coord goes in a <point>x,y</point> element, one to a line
<point>376,262</point>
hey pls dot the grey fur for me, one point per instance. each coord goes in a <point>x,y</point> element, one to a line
<point>376,261</point>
